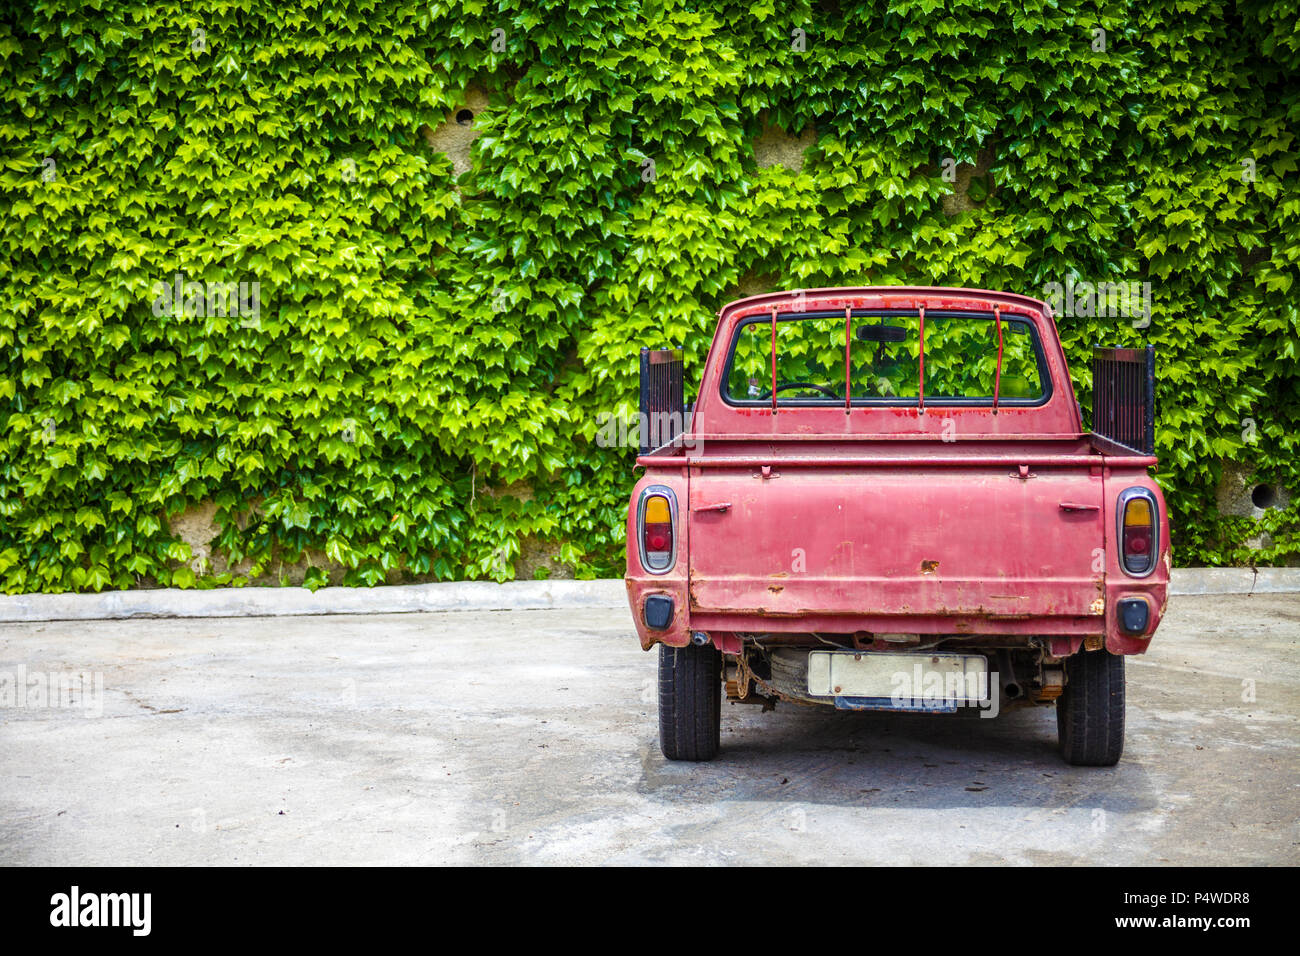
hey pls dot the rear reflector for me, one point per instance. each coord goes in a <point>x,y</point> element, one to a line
<point>1134,613</point>
<point>658,611</point>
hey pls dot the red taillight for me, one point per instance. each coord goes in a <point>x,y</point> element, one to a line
<point>657,533</point>
<point>1138,531</point>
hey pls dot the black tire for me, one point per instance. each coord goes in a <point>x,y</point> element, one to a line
<point>1090,710</point>
<point>690,701</point>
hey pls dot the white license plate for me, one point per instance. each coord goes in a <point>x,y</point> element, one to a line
<point>900,677</point>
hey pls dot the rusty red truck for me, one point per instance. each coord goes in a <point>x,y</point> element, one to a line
<point>883,498</point>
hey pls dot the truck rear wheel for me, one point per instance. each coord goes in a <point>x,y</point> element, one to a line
<point>690,701</point>
<point>1090,711</point>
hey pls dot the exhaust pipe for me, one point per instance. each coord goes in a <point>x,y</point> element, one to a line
<point>1011,688</point>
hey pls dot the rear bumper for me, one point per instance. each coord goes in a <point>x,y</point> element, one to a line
<point>1066,633</point>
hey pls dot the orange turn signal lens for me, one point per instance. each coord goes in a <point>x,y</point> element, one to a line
<point>657,510</point>
<point>1137,513</point>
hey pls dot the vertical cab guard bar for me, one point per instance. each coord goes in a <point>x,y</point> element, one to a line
<point>848,350</point>
<point>773,360</point>
<point>997,372</point>
<point>920,384</point>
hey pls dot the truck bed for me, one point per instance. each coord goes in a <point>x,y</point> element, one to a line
<point>991,534</point>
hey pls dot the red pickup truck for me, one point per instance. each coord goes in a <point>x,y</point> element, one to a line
<point>884,499</point>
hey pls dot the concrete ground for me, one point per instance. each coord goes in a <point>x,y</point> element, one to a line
<point>530,737</point>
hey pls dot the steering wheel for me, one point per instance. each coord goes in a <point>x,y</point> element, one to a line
<point>813,385</point>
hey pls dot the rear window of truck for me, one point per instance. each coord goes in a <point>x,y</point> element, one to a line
<point>961,351</point>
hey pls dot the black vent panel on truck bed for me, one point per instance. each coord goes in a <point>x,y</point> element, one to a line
<point>1124,396</point>
<point>663,409</point>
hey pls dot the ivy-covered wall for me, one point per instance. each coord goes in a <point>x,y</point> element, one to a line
<point>418,245</point>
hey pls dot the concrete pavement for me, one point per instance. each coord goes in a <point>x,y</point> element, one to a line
<point>530,737</point>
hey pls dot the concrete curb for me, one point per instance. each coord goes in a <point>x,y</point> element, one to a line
<point>463,596</point>
<point>1234,581</point>
<point>290,601</point>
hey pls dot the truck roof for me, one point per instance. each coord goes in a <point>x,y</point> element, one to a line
<point>833,297</point>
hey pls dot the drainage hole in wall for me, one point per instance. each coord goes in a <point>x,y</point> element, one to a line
<point>1263,496</point>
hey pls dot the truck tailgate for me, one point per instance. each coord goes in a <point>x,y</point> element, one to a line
<point>994,541</point>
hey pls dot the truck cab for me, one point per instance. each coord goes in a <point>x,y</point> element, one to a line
<point>884,498</point>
